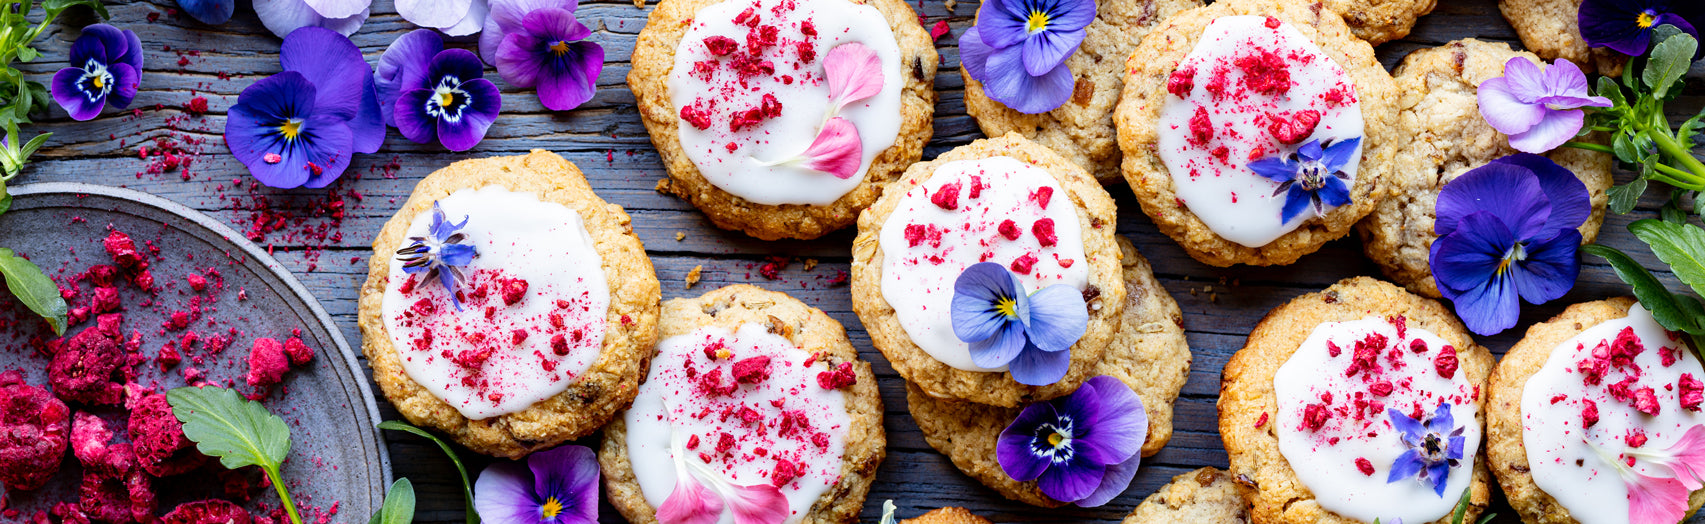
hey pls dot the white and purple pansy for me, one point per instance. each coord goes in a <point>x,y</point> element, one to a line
<point>540,44</point>
<point>301,127</point>
<point>1311,178</point>
<point>1082,448</point>
<point>431,93</point>
<point>1031,334</point>
<point>106,66</point>
<point>559,486</point>
<point>1539,110</point>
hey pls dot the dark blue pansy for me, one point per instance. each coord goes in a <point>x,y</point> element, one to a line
<point>1083,448</point>
<point>1030,334</point>
<point>437,94</point>
<point>440,254</point>
<point>1626,25</point>
<point>1433,448</point>
<point>1312,178</point>
<point>106,66</point>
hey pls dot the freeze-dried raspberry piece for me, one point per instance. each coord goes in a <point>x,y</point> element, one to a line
<point>69,514</point>
<point>513,291</point>
<point>298,351</point>
<point>752,370</point>
<point>840,376</point>
<point>1692,392</point>
<point>91,443</point>
<point>91,366</point>
<point>1446,362</point>
<point>210,511</point>
<point>158,437</point>
<point>267,363</point>
<point>122,249</point>
<point>34,427</point>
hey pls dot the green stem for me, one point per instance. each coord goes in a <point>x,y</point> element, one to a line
<point>283,495</point>
<point>1695,169</point>
<point>1590,147</point>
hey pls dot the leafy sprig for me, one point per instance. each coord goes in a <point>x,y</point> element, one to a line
<point>467,487</point>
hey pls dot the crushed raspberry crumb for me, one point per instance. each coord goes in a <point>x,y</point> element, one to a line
<point>1010,230</point>
<point>1022,264</point>
<point>1314,416</point>
<point>1589,413</point>
<point>946,197</point>
<point>752,370</point>
<point>721,45</point>
<point>1364,466</point>
<point>1446,362</point>
<point>1044,231</point>
<point>1181,82</point>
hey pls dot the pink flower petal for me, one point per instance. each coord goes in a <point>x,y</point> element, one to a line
<point>1653,500</point>
<point>1688,458</point>
<point>690,503</point>
<point>760,504</point>
<point>837,149</point>
<point>855,73</point>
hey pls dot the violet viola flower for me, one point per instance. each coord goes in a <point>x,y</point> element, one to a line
<point>558,486</point>
<point>300,127</point>
<point>436,93</point>
<point>211,12</point>
<point>283,17</point>
<point>1625,26</point>
<point>1083,448</point>
<point>539,44</point>
<point>440,254</point>
<point>1030,334</point>
<point>1435,447</point>
<point>1018,50</point>
<point>1539,110</point>
<point>106,65</point>
<point>701,495</point>
<point>453,17</point>
<point>1507,230</point>
<point>1313,178</point>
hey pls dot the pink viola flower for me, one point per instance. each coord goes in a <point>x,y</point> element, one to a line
<point>693,503</point>
<point>1538,109</point>
<point>837,150</point>
<point>854,73</point>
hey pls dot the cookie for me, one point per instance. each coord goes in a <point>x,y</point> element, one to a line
<point>1381,21</point>
<point>1441,115</point>
<point>1529,365</point>
<point>1206,495</point>
<point>800,412</point>
<point>1241,83</point>
<point>1007,201</point>
<point>1149,354</point>
<point>508,382</point>
<point>731,90</point>
<point>1308,406</point>
<point>1551,29</point>
<point>950,515</point>
<point>1082,128</point>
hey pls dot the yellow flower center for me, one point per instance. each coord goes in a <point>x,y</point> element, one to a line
<point>1645,19</point>
<point>446,97</point>
<point>1055,438</point>
<point>291,129</point>
<point>560,47</point>
<point>1007,307</point>
<point>1037,22</point>
<point>98,81</point>
<point>551,508</point>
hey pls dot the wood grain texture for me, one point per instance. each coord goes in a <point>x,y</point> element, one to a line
<point>605,138</point>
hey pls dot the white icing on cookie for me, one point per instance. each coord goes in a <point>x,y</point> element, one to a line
<point>1346,457</point>
<point>1554,410</point>
<point>716,90</point>
<point>997,203</point>
<point>1217,120</point>
<point>493,358</point>
<point>786,416</point>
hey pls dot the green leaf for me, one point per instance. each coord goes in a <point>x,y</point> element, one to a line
<point>1623,198</point>
<point>1689,129</point>
<point>34,144</point>
<point>223,424</point>
<point>1648,290</point>
<point>1682,246</point>
<point>33,289</point>
<point>1461,510</point>
<point>467,488</point>
<point>1671,213</point>
<point>399,504</point>
<point>57,6</point>
<point>1668,63</point>
<point>1607,88</point>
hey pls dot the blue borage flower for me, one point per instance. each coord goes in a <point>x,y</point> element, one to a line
<point>440,254</point>
<point>300,127</point>
<point>1030,334</point>
<point>559,486</point>
<point>431,93</point>
<point>106,66</point>
<point>1507,229</point>
<point>1083,448</point>
<point>1018,50</point>
<point>1625,26</point>
<point>1313,177</point>
<point>1435,447</point>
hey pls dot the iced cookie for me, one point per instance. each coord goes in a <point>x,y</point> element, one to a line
<point>1357,403</point>
<point>1573,404</point>
<point>950,515</point>
<point>1551,28</point>
<point>1081,128</point>
<point>750,391</point>
<point>1254,131</point>
<point>1149,354</point>
<point>784,118</point>
<point>1440,114</point>
<point>1011,204</point>
<point>1381,21</point>
<point>508,306</point>
<point>1206,495</point>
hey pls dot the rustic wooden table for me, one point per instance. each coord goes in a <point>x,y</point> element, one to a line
<point>168,147</point>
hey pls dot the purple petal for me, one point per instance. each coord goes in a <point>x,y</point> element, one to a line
<point>1276,169</point>
<point>1013,449</point>
<point>1510,192</point>
<point>505,17</point>
<point>1550,133</point>
<point>459,63</point>
<point>433,13</point>
<point>1000,349</point>
<point>973,54</point>
<point>283,17</point>
<point>1047,50</point>
<point>457,254</point>
<point>1613,24</point>
<point>1338,155</point>
<point>1070,15</point>
<point>1526,80</point>
<point>411,117</point>
<point>551,24</point>
<point>1575,102</point>
<point>1564,78</point>
<point>125,82</point>
<point>1551,267</point>
<point>1697,12</point>
<point>1296,200</point>
<point>1334,192</point>
<point>1009,83</point>
<point>1442,421</point>
<point>570,475</point>
<point>573,79</point>
<point>345,26</point>
<point>1406,465</point>
<point>1113,483</point>
<point>1122,427</point>
<point>1058,318</point>
<point>1072,480</point>
<point>132,51</point>
<point>70,95</point>
<point>976,291</point>
<point>1002,23</point>
<point>1034,367</point>
<point>1571,204</point>
<point>504,493</point>
<point>1455,448</point>
<point>403,67</point>
<point>333,64</point>
<point>326,151</point>
<point>339,8</point>
<point>211,12</point>
<point>114,45</point>
<point>1470,255</point>
<point>1311,151</point>
<point>1438,473</point>
<point>85,49</point>
<point>1503,111</point>
<point>1409,427</point>
<point>484,104</point>
<point>250,126</point>
<point>516,60</point>
<point>472,22</point>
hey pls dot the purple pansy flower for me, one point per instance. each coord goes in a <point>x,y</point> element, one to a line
<point>440,254</point>
<point>1507,229</point>
<point>212,12</point>
<point>1312,178</point>
<point>1626,25</point>
<point>539,44</point>
<point>436,93</point>
<point>1030,334</point>
<point>300,127</point>
<point>106,65</point>
<point>453,17</point>
<point>1083,448</point>
<point>1018,50</point>
<point>283,17</point>
<point>1539,110</point>
<point>559,486</point>
<point>1435,447</point>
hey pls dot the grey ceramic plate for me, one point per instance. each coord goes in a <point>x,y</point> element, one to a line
<point>338,466</point>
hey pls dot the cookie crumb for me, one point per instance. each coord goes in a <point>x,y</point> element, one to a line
<point>663,186</point>
<point>810,264</point>
<point>693,276</point>
<point>680,235</point>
